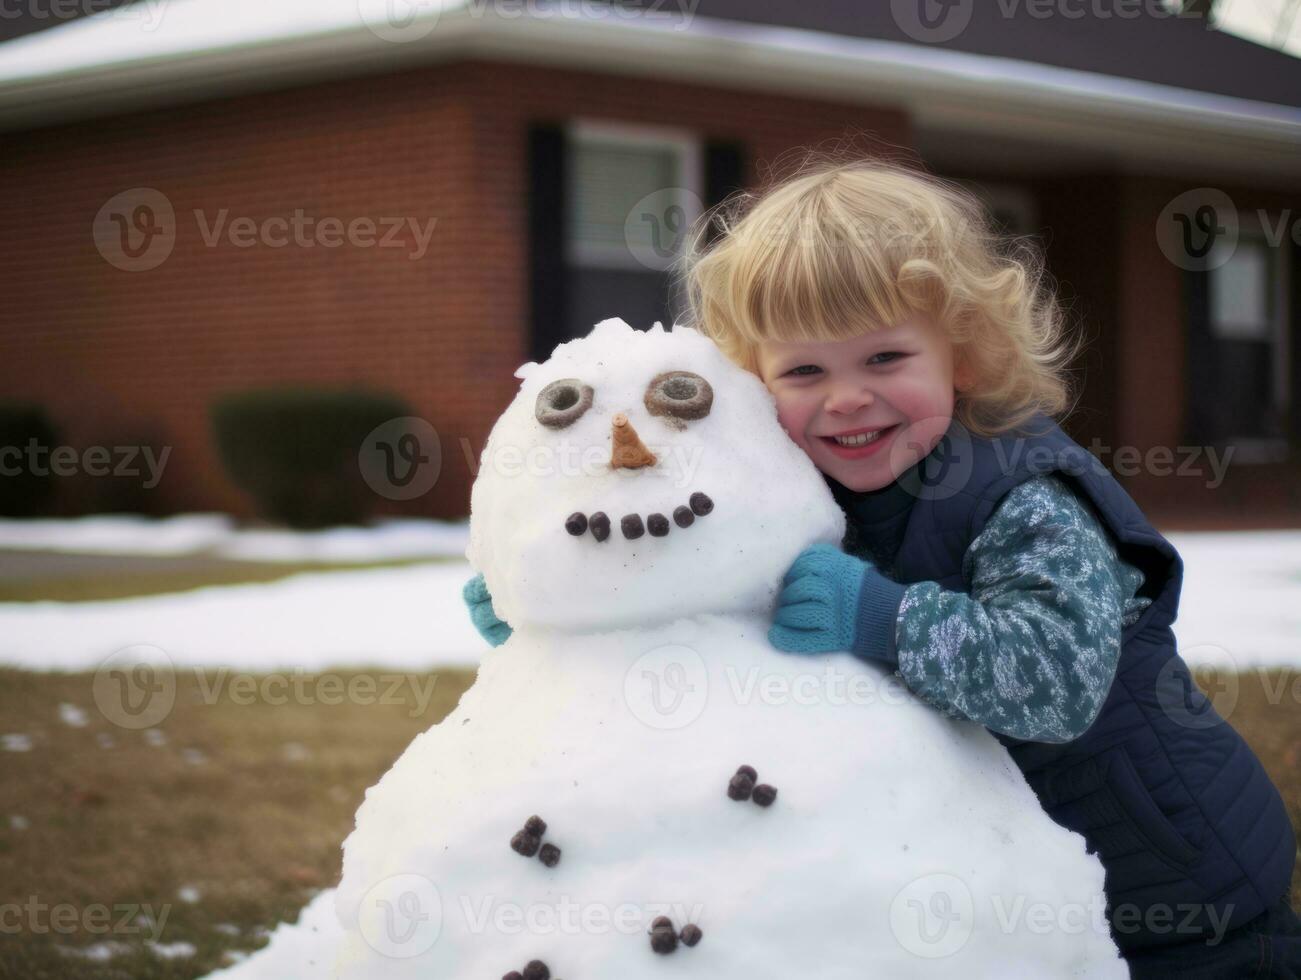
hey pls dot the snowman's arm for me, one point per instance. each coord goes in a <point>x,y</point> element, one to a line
<point>485,619</point>
<point>1032,650</point>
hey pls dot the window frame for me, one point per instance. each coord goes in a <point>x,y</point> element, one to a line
<point>688,151</point>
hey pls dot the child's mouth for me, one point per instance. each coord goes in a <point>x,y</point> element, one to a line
<point>860,444</point>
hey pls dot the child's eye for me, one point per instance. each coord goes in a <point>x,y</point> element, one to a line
<point>892,354</point>
<point>804,370</point>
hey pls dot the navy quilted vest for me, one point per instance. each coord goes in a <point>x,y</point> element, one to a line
<point>1177,807</point>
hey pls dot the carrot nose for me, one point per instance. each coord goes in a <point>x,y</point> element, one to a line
<point>628,451</point>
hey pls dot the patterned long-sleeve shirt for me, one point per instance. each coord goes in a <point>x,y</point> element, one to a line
<point>1032,650</point>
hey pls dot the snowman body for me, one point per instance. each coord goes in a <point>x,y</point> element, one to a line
<point>637,681</point>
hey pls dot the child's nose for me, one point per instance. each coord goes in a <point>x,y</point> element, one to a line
<point>846,398</point>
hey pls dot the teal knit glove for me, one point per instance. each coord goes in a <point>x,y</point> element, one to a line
<point>815,611</point>
<point>485,620</point>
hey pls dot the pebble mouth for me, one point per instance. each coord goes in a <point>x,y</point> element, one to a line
<point>633,527</point>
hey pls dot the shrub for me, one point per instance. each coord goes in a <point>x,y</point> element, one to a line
<point>295,450</point>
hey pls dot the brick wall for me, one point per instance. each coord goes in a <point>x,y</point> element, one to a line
<point>121,357</point>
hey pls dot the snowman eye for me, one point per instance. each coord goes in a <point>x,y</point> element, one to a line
<point>563,402</point>
<point>680,394</point>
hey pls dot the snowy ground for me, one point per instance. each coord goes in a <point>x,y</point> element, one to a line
<point>218,536</point>
<point>1241,604</point>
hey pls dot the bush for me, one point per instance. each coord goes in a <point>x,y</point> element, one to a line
<point>295,450</point>
<point>25,489</point>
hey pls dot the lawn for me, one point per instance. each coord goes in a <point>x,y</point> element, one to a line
<point>228,814</point>
<point>94,578</point>
<point>224,818</point>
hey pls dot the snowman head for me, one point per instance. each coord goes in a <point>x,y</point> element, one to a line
<point>639,477</point>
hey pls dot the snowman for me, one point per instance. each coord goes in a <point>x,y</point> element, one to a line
<point>638,785</point>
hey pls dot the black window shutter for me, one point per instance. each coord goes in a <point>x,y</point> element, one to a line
<point>547,231</point>
<point>1201,427</point>
<point>1293,328</point>
<point>724,172</point>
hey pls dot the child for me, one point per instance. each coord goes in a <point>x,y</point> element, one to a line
<point>993,563</point>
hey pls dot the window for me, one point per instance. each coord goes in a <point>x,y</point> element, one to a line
<point>634,192</point>
<point>1240,348</point>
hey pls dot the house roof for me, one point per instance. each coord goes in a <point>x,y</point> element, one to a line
<point>972,85</point>
<point>1143,40</point>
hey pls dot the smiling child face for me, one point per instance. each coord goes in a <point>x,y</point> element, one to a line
<point>866,409</point>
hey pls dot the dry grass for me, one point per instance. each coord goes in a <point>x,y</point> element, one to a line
<point>129,579</point>
<point>255,824</point>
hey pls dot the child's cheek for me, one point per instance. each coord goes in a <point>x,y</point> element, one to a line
<point>789,415</point>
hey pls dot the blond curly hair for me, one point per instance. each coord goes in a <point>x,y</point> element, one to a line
<point>843,247</point>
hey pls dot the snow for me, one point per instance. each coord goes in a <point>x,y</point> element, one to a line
<point>158,29</point>
<point>411,617</point>
<point>1240,607</point>
<point>72,716</point>
<point>218,536</point>
<point>172,951</point>
<point>533,476</point>
<point>623,735</point>
<point>305,948</point>
<point>102,952</point>
<point>622,732</point>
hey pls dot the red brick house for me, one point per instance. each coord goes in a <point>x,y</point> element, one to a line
<point>422,204</point>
